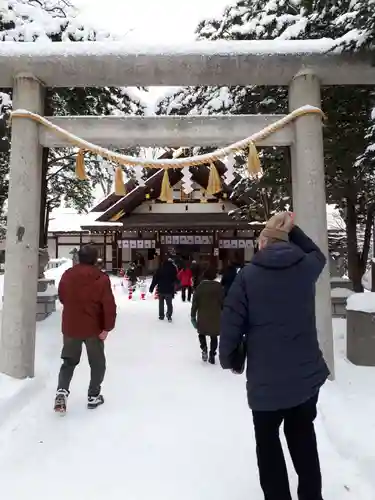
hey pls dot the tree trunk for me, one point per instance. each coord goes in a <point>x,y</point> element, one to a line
<point>367,236</point>
<point>43,235</point>
<point>369,232</point>
<point>355,267</point>
<point>46,221</point>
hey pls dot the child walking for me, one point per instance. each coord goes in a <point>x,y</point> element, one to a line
<point>205,313</point>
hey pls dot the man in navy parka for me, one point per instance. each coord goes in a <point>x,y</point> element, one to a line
<point>271,306</point>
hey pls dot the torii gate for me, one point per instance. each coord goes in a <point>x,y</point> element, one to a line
<point>29,68</point>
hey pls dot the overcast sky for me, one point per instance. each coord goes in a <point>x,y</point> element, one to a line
<point>161,21</point>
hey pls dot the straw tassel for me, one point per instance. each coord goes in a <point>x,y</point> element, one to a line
<point>214,181</point>
<point>166,192</point>
<point>120,189</point>
<point>253,163</point>
<point>80,166</point>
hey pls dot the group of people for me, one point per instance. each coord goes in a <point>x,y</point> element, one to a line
<point>265,316</point>
<point>206,293</point>
<point>169,278</point>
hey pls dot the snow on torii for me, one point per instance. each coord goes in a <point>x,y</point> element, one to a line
<point>266,62</point>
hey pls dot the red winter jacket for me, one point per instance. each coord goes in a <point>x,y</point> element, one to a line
<point>89,306</point>
<point>186,277</point>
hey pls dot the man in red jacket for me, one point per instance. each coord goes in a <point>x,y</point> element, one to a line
<point>89,313</point>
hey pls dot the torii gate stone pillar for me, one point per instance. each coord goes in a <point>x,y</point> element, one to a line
<point>309,198</point>
<point>17,338</point>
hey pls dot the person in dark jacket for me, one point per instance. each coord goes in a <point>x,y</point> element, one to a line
<point>89,313</point>
<point>229,275</point>
<point>165,279</point>
<point>196,272</point>
<point>205,313</point>
<point>272,304</point>
<point>131,274</point>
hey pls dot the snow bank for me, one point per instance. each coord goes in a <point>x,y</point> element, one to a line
<point>364,302</point>
<point>55,273</point>
<point>347,408</point>
<point>16,394</point>
<point>9,387</point>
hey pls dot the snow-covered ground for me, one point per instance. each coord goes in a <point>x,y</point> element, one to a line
<point>171,428</point>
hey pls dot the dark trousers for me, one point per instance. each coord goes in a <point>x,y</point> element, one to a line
<point>189,290</point>
<point>213,344</point>
<point>300,436</point>
<point>167,298</point>
<point>71,356</point>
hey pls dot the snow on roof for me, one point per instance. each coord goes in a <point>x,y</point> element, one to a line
<point>65,220</point>
<point>261,47</point>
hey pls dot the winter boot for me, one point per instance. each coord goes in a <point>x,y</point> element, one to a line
<point>60,401</point>
<point>211,359</point>
<point>204,356</point>
<point>161,318</point>
<point>94,401</point>
<point>169,318</point>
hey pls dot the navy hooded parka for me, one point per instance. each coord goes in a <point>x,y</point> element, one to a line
<point>272,304</point>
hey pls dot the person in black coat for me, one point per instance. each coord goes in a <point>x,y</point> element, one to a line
<point>196,272</point>
<point>131,274</point>
<point>271,305</point>
<point>229,275</point>
<point>165,279</point>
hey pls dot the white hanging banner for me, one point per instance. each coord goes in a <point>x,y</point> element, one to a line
<point>187,182</point>
<point>138,172</point>
<point>229,174</point>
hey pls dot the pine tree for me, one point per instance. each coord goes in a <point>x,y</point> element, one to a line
<point>247,20</point>
<point>358,21</point>
<point>348,129</point>
<point>43,21</point>
<point>350,181</point>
